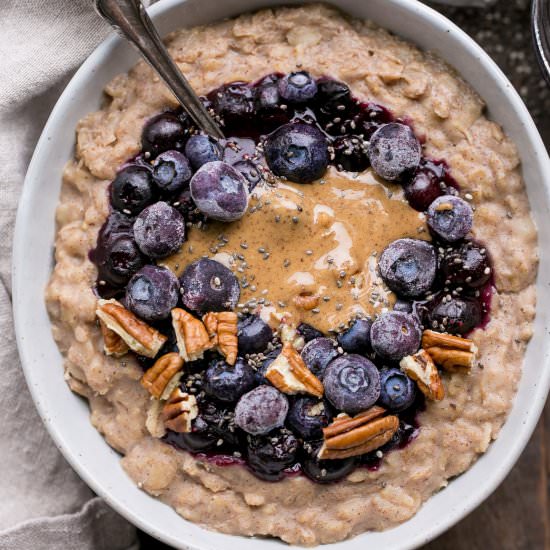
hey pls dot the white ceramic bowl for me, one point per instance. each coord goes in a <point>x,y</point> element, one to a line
<point>66,415</point>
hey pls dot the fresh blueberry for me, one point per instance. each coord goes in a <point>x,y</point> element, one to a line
<point>116,255</point>
<point>350,154</point>
<point>159,230</point>
<point>261,410</point>
<point>217,420</point>
<point>220,192</point>
<point>307,332</point>
<point>450,218</point>
<point>455,315</point>
<point>397,390</point>
<point>356,339</point>
<point>318,353</point>
<point>297,87</point>
<point>237,149</point>
<point>201,149</point>
<point>163,132</point>
<point>325,471</point>
<point>422,189</point>
<point>466,265</point>
<point>395,334</point>
<point>268,104</point>
<point>122,258</point>
<point>152,293</point>
<point>226,382</point>
<point>251,171</point>
<point>186,206</point>
<point>333,99</point>
<point>207,285</point>
<point>132,189</point>
<point>352,383</point>
<point>394,151</point>
<point>197,441</point>
<point>408,266</point>
<point>403,305</point>
<point>171,172</point>
<point>265,364</point>
<point>308,416</point>
<point>268,455</point>
<point>254,334</point>
<point>268,98</point>
<point>371,118</point>
<point>298,152</point>
<point>234,103</point>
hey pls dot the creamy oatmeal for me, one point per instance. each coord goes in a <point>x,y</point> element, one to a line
<point>313,251</point>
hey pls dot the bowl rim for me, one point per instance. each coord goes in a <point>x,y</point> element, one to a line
<point>435,19</point>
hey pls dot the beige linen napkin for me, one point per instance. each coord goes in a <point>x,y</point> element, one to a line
<point>44,505</point>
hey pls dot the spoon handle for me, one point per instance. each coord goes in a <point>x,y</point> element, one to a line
<point>131,20</point>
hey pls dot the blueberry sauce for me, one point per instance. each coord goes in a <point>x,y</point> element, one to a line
<point>323,123</point>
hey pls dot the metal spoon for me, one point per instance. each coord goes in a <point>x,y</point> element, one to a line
<point>130,19</point>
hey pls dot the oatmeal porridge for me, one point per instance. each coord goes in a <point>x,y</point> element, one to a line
<point>306,329</point>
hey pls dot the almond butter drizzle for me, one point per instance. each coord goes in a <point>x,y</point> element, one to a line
<point>310,240</point>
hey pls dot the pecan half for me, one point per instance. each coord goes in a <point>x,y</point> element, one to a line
<point>139,336</point>
<point>162,375</point>
<point>222,329</point>
<point>423,371</point>
<point>113,344</point>
<point>179,411</point>
<point>363,433</point>
<point>191,335</point>
<point>306,301</point>
<point>289,374</point>
<point>453,353</point>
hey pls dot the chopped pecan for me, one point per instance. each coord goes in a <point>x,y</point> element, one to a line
<point>153,419</point>
<point>179,411</point>
<point>306,301</point>
<point>423,371</point>
<point>363,433</point>
<point>191,335</point>
<point>139,336</point>
<point>289,335</point>
<point>289,374</point>
<point>113,344</point>
<point>222,329</point>
<point>453,353</point>
<point>162,375</point>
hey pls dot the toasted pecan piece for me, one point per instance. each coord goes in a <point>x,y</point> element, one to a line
<point>163,375</point>
<point>222,329</point>
<point>113,344</point>
<point>289,374</point>
<point>179,411</point>
<point>423,371</point>
<point>453,353</point>
<point>191,335</point>
<point>139,336</point>
<point>344,423</point>
<point>363,433</point>
<point>306,301</point>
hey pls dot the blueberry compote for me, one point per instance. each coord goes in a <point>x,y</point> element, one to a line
<point>293,127</point>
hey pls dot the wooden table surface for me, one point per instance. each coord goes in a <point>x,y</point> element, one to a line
<point>517,515</point>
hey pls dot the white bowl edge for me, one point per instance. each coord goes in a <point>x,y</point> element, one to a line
<point>67,417</point>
